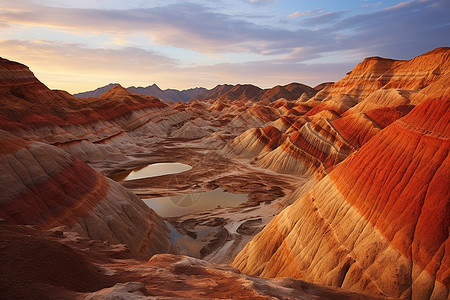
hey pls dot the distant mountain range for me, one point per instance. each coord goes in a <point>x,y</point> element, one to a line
<point>168,95</point>
<point>224,91</point>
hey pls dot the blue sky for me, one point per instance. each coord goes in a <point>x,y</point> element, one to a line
<point>80,45</point>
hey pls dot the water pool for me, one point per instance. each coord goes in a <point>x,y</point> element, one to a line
<point>175,206</point>
<point>152,170</point>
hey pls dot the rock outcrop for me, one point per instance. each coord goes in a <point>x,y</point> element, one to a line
<point>323,129</point>
<point>379,222</point>
<point>61,265</point>
<point>45,186</point>
<point>91,129</point>
<point>376,73</point>
<point>255,141</point>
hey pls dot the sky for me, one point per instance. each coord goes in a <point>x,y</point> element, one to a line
<point>81,45</point>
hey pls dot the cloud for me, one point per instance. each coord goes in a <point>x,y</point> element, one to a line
<point>400,5</point>
<point>402,31</point>
<point>299,14</point>
<point>75,68</point>
<point>199,28</point>
<point>259,1</point>
<point>186,25</point>
<point>323,19</point>
<point>371,4</point>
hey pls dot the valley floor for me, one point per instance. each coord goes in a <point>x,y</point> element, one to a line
<point>229,228</point>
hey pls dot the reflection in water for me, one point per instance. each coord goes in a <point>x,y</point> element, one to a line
<point>188,245</point>
<point>185,243</point>
<point>175,206</point>
<point>152,170</point>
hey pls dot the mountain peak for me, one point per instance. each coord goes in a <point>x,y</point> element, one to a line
<point>116,91</point>
<point>13,73</point>
<point>97,92</point>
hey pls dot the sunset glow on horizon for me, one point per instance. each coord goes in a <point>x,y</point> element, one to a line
<point>79,46</point>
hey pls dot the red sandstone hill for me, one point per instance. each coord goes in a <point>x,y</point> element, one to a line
<point>229,92</point>
<point>45,139</point>
<point>45,186</point>
<point>214,93</point>
<point>375,73</point>
<point>248,92</point>
<point>323,129</point>
<point>82,127</point>
<point>240,92</point>
<point>291,91</point>
<point>379,222</point>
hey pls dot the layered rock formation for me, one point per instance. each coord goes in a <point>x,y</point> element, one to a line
<point>378,141</point>
<point>44,182</point>
<point>376,73</point>
<point>256,141</point>
<point>91,129</point>
<point>247,92</point>
<point>226,92</point>
<point>61,265</point>
<point>45,186</point>
<point>315,147</point>
<point>379,222</point>
<point>323,129</point>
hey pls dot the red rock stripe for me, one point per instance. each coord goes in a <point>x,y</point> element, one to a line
<point>385,116</point>
<point>10,144</point>
<point>289,147</point>
<point>59,200</point>
<point>400,182</point>
<point>299,140</point>
<point>355,131</point>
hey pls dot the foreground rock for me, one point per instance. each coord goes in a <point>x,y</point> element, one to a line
<point>60,265</point>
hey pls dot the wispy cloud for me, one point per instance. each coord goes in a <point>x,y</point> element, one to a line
<point>400,5</point>
<point>76,68</point>
<point>401,31</point>
<point>299,14</point>
<point>199,28</point>
<point>259,1</point>
<point>374,4</point>
<point>323,19</point>
<point>190,26</point>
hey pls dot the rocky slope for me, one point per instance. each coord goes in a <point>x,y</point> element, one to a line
<point>34,264</point>
<point>45,134</point>
<point>43,185</point>
<point>376,73</point>
<point>94,129</point>
<point>366,163</point>
<point>97,92</point>
<point>377,223</point>
<point>323,129</point>
<point>246,92</point>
